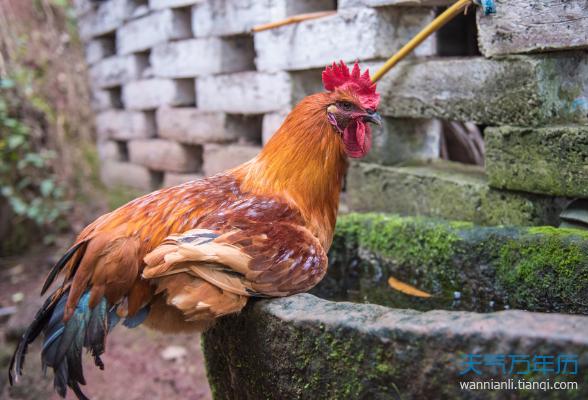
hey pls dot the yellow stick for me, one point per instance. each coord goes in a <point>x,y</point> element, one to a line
<point>292,20</point>
<point>434,26</point>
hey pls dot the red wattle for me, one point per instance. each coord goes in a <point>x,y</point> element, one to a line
<point>357,138</point>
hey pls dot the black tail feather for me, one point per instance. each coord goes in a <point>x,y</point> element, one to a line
<point>64,342</point>
<point>32,332</point>
<point>61,263</point>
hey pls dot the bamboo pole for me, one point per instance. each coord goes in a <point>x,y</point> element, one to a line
<point>434,26</point>
<point>292,20</point>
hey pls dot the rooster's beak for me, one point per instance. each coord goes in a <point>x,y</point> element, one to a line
<point>373,117</point>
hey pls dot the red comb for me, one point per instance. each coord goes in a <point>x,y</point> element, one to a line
<point>337,76</point>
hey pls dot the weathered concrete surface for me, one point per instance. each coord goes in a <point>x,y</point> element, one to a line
<point>351,34</point>
<point>109,150</point>
<point>149,94</point>
<point>116,173</point>
<point>162,4</point>
<point>174,179</point>
<point>219,158</point>
<point>206,56</point>
<point>143,33</point>
<point>165,155</point>
<point>244,92</point>
<point>382,3</point>
<point>551,160</point>
<point>400,140</point>
<point>230,17</point>
<point>445,190</point>
<point>518,90</point>
<point>106,18</point>
<point>521,26</point>
<point>193,126</point>
<point>271,123</point>
<point>301,347</point>
<point>125,125</point>
<point>99,48</point>
<point>116,71</point>
<point>490,268</point>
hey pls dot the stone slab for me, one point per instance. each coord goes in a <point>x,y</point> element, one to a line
<point>109,150</point>
<point>175,179</point>
<point>219,158</point>
<point>517,90</point>
<point>230,17</point>
<point>194,126</point>
<point>400,140</point>
<point>245,92</point>
<point>149,94</point>
<point>99,48</point>
<point>158,27</point>
<point>105,18</point>
<point>116,173</point>
<point>400,3</point>
<point>206,56</point>
<point>165,155</point>
<point>116,71</point>
<point>463,266</point>
<point>125,125</point>
<point>551,160</point>
<point>163,4</point>
<point>446,190</point>
<point>521,26</point>
<point>351,34</point>
<point>271,123</point>
<point>287,348</point>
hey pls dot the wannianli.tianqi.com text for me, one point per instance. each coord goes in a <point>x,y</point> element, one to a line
<point>518,384</point>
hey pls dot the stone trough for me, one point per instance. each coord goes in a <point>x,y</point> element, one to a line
<point>360,339</point>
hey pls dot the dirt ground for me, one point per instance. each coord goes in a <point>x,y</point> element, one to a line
<point>139,363</point>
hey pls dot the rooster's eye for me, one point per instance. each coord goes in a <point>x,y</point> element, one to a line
<point>345,105</point>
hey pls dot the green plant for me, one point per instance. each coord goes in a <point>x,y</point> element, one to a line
<point>28,183</point>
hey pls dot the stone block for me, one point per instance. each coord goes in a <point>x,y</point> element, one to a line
<point>400,140</point>
<point>143,33</point>
<point>163,4</point>
<point>271,123</point>
<point>384,3</point>
<point>550,160</point>
<point>445,190</point>
<point>174,179</point>
<point>516,90</point>
<point>196,57</point>
<point>116,173</point>
<point>165,155</point>
<point>301,344</point>
<point>193,126</point>
<point>82,7</point>
<point>491,268</point>
<point>104,19</point>
<point>230,17</point>
<point>104,99</point>
<point>149,94</point>
<point>125,125</point>
<point>351,34</point>
<point>521,26</point>
<point>219,158</point>
<point>109,150</point>
<point>245,92</point>
<point>116,71</point>
<point>99,48</point>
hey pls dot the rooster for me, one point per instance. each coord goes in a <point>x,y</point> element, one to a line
<point>179,258</point>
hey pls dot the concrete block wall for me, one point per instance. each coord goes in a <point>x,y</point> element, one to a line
<point>183,89</point>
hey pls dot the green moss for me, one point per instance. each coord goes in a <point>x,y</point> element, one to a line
<point>539,268</point>
<point>543,273</point>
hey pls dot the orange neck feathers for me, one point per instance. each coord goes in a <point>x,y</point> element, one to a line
<point>305,163</point>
